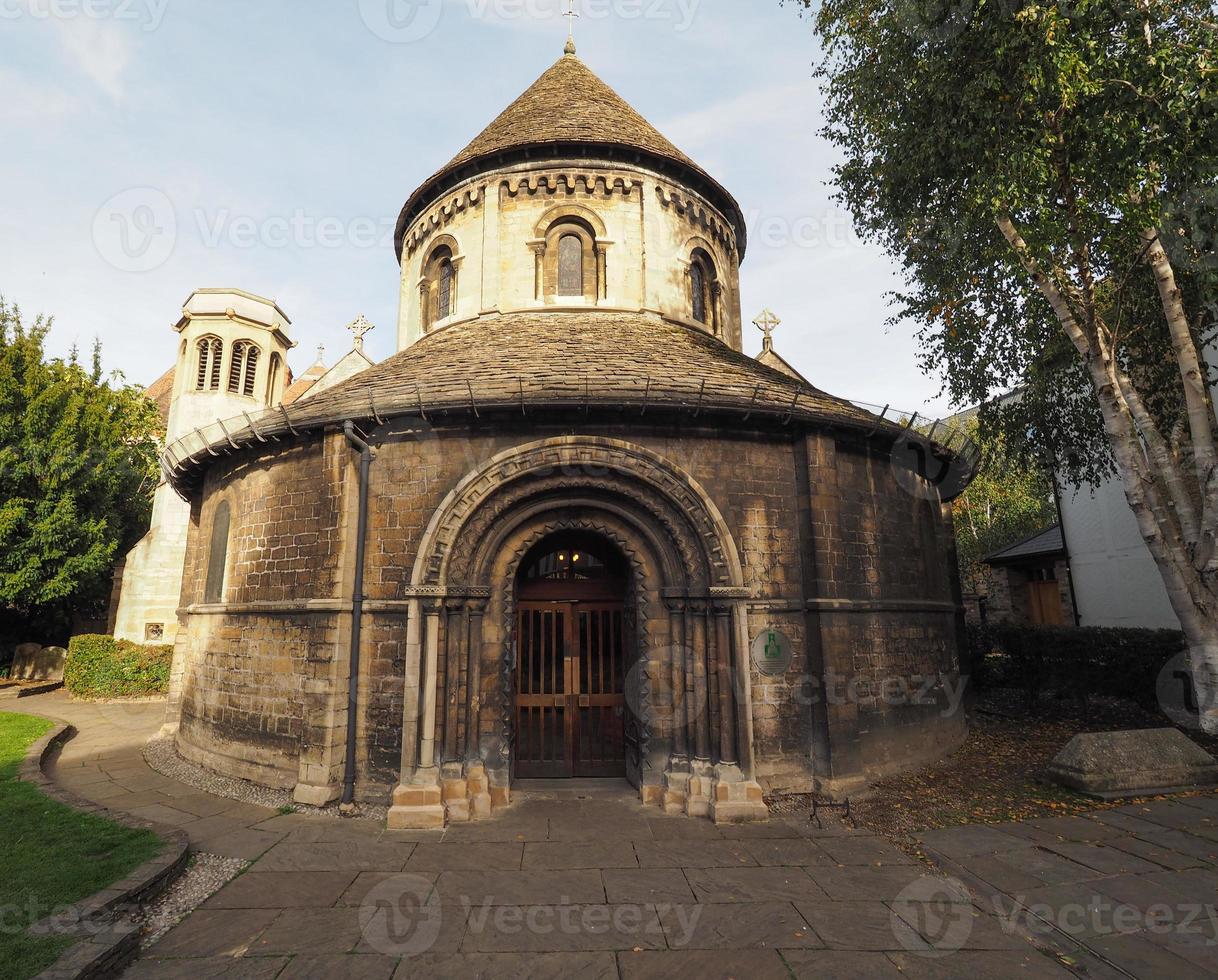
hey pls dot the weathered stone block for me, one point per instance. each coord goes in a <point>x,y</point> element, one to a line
<point>34,662</point>
<point>1110,765</point>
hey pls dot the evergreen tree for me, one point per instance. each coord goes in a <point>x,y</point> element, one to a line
<point>78,465</point>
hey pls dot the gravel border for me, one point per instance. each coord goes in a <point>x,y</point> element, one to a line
<point>162,755</point>
<point>206,875</point>
<point>102,922</point>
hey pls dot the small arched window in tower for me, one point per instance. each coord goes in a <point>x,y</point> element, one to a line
<point>217,554</point>
<point>703,289</point>
<point>272,380</point>
<point>444,297</point>
<point>438,288</point>
<point>211,351</point>
<point>570,265</point>
<point>243,369</point>
<point>697,286</point>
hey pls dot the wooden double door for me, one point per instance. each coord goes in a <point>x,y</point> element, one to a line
<point>570,684</point>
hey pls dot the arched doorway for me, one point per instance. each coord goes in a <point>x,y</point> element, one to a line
<point>574,645</point>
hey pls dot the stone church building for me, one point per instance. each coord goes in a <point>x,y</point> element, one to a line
<point>570,528</point>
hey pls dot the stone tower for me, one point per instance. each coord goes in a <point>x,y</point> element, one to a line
<point>232,358</point>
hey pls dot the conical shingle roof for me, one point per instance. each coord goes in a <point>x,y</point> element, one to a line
<point>569,104</point>
<point>569,109</point>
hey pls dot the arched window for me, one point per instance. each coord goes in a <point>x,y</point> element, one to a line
<point>272,380</point>
<point>438,289</point>
<point>697,286</point>
<point>211,351</point>
<point>570,265</point>
<point>244,367</point>
<point>703,289</point>
<point>217,554</point>
<point>444,298</point>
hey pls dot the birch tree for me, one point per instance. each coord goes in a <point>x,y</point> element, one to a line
<point>1048,175</point>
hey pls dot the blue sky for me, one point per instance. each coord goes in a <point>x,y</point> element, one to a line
<point>270,146</point>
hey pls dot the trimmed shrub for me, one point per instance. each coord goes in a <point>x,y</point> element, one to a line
<point>1071,661</point>
<point>103,667</point>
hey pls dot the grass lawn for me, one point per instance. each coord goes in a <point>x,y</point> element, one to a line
<point>50,855</point>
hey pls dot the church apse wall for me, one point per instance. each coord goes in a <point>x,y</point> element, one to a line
<point>834,554</point>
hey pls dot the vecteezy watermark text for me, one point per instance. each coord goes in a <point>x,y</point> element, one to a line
<point>147,13</point>
<point>407,21</point>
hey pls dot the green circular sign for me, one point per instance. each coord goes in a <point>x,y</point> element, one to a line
<point>772,652</point>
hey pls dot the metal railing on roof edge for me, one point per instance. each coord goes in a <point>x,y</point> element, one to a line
<point>224,436</point>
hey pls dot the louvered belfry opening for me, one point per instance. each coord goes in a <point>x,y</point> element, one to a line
<point>572,658</point>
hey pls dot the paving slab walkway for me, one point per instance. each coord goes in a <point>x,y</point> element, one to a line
<point>576,881</point>
<point>1134,886</point>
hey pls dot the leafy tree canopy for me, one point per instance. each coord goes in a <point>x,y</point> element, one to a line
<point>1086,122</point>
<point>1006,503</point>
<point>78,465</point>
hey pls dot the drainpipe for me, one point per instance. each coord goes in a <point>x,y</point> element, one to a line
<point>357,608</point>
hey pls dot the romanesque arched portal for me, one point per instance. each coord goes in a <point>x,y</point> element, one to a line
<point>688,685</point>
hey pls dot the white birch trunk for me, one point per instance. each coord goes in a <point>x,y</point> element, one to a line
<point>1154,491</point>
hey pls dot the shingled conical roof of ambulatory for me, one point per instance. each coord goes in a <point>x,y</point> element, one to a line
<point>569,108</point>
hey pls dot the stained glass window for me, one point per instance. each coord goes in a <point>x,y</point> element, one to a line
<point>697,285</point>
<point>444,299</point>
<point>570,266</point>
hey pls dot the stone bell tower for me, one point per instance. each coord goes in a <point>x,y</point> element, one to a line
<point>232,358</point>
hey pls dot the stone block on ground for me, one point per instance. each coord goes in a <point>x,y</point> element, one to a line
<point>34,662</point>
<point>1111,765</point>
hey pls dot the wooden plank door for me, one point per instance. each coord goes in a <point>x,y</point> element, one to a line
<point>599,695</point>
<point>544,721</point>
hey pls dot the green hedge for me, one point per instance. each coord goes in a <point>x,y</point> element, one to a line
<point>1072,661</point>
<point>103,667</point>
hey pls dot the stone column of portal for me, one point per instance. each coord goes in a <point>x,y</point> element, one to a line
<point>478,787</point>
<point>697,803</point>
<point>452,776</point>
<point>734,799</point>
<point>676,778</point>
<point>417,804</point>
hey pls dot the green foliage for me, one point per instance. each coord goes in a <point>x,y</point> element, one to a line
<point>1086,123</point>
<point>78,466</point>
<point>52,855</point>
<point>103,667</point>
<point>1074,661</point>
<point>1008,501</point>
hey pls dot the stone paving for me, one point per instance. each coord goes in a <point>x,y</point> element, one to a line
<point>576,880</point>
<point>1135,887</point>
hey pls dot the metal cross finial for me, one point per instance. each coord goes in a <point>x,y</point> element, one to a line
<point>766,322</point>
<point>360,326</point>
<point>571,15</point>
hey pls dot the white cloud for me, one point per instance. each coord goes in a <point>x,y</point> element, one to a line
<point>25,101</point>
<point>100,49</point>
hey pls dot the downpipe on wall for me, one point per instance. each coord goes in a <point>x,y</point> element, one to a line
<point>366,456</point>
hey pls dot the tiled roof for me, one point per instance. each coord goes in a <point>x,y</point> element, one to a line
<point>569,106</point>
<point>552,359</point>
<point>1042,544</point>
<point>161,393</point>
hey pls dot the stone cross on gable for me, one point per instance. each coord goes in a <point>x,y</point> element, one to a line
<point>767,322</point>
<point>570,14</point>
<point>360,326</point>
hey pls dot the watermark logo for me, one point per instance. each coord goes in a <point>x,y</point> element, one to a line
<point>401,21</point>
<point>136,230</point>
<point>1182,699</point>
<point>941,912</point>
<point>402,916</point>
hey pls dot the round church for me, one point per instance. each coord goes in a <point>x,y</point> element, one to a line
<point>570,529</point>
